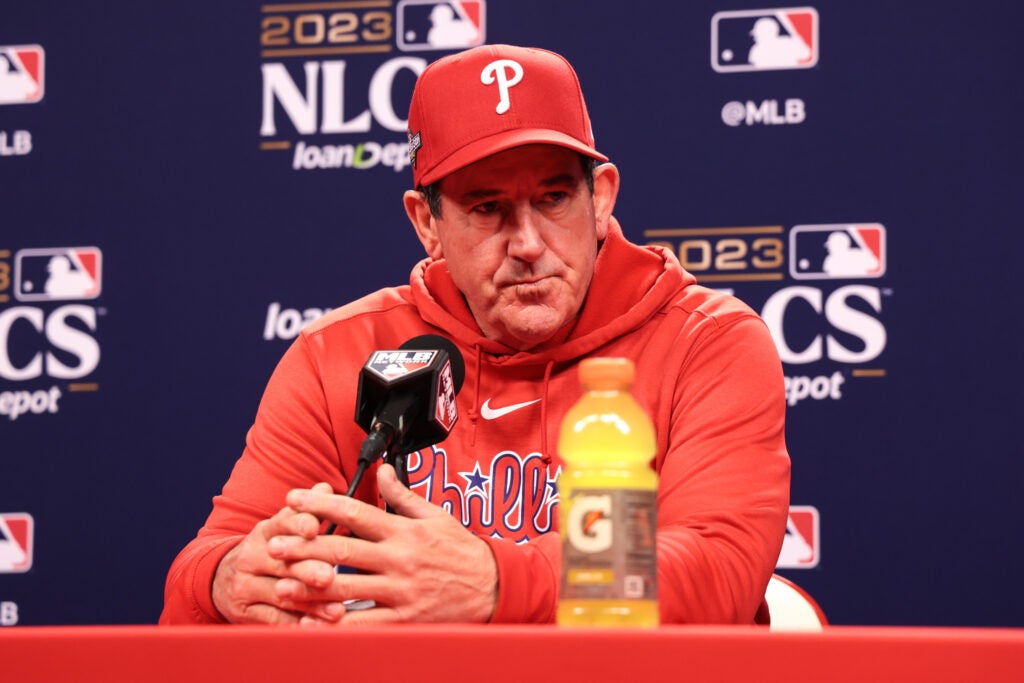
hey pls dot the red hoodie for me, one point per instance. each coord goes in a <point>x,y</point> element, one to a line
<point>706,371</point>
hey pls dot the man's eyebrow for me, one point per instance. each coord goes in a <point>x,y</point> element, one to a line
<point>483,193</point>
<point>561,179</point>
<point>478,195</point>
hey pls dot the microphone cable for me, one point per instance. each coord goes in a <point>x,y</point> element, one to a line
<point>374,446</point>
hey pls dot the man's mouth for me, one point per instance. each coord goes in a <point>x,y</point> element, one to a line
<point>530,288</point>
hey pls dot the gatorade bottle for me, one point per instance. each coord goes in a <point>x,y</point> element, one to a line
<point>607,493</point>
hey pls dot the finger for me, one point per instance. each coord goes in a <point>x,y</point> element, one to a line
<point>364,520</point>
<point>264,604</point>
<point>308,529</point>
<point>260,613</point>
<point>313,621</point>
<point>288,521</point>
<point>308,621</point>
<point>372,617</point>
<point>401,499</point>
<point>380,589</point>
<point>247,563</point>
<point>314,572</point>
<point>332,550</point>
<point>325,610</point>
<point>253,564</point>
<point>244,598</point>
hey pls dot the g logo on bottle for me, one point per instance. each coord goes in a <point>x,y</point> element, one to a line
<point>589,523</point>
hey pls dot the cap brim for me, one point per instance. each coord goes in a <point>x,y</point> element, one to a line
<point>502,141</point>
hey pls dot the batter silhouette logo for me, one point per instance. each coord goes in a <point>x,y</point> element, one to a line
<point>763,40</point>
<point>16,531</point>
<point>801,546</point>
<point>836,252</point>
<point>21,74</point>
<point>58,274</point>
<point>431,25</point>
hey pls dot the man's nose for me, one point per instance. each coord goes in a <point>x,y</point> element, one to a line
<point>525,239</point>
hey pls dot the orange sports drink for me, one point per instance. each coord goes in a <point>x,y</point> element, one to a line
<point>607,502</point>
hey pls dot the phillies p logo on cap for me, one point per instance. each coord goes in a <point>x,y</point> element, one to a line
<point>495,72</point>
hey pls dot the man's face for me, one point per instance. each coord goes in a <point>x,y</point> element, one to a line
<point>519,231</point>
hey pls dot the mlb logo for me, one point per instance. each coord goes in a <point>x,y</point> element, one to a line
<point>21,74</point>
<point>58,274</point>
<point>763,40</point>
<point>432,25</point>
<point>16,531</point>
<point>801,546</point>
<point>836,252</point>
<point>392,364</point>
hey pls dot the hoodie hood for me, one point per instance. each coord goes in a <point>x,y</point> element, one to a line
<point>630,285</point>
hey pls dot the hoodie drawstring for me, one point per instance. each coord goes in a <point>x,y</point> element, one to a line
<point>474,413</point>
<point>545,453</point>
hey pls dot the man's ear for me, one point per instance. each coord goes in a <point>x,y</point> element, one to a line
<point>606,190</point>
<point>418,210</point>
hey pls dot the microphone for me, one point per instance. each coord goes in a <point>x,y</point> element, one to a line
<point>406,397</point>
<point>406,401</point>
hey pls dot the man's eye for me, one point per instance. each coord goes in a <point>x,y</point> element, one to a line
<point>556,197</point>
<point>487,207</point>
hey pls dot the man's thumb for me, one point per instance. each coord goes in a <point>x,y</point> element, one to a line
<point>401,499</point>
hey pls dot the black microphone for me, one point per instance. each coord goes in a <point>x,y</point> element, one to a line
<point>406,401</point>
<point>406,397</point>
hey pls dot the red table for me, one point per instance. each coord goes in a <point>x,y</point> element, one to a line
<point>524,654</point>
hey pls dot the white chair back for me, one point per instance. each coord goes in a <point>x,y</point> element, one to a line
<point>791,608</point>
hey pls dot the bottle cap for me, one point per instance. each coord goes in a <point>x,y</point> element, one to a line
<point>607,373</point>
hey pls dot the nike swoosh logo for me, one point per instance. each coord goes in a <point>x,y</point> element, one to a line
<point>490,413</point>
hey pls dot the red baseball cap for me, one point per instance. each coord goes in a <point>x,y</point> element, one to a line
<point>491,98</point>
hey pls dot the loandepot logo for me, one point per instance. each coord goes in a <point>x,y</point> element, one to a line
<point>286,323</point>
<point>335,94</point>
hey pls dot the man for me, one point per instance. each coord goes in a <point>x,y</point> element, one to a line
<point>527,272</point>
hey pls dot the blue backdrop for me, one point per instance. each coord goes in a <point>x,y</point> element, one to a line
<point>183,185</point>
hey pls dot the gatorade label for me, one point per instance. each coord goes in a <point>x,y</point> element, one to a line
<point>608,551</point>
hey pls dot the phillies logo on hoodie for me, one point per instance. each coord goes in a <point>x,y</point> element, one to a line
<point>515,497</point>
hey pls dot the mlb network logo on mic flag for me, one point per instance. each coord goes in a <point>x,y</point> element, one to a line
<point>21,74</point>
<point>836,252</point>
<point>763,40</point>
<point>16,531</point>
<point>392,364</point>
<point>58,274</point>
<point>432,25</point>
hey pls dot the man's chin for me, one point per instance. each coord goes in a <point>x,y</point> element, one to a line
<point>526,332</point>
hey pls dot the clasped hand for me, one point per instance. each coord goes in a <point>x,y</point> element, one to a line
<point>420,565</point>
